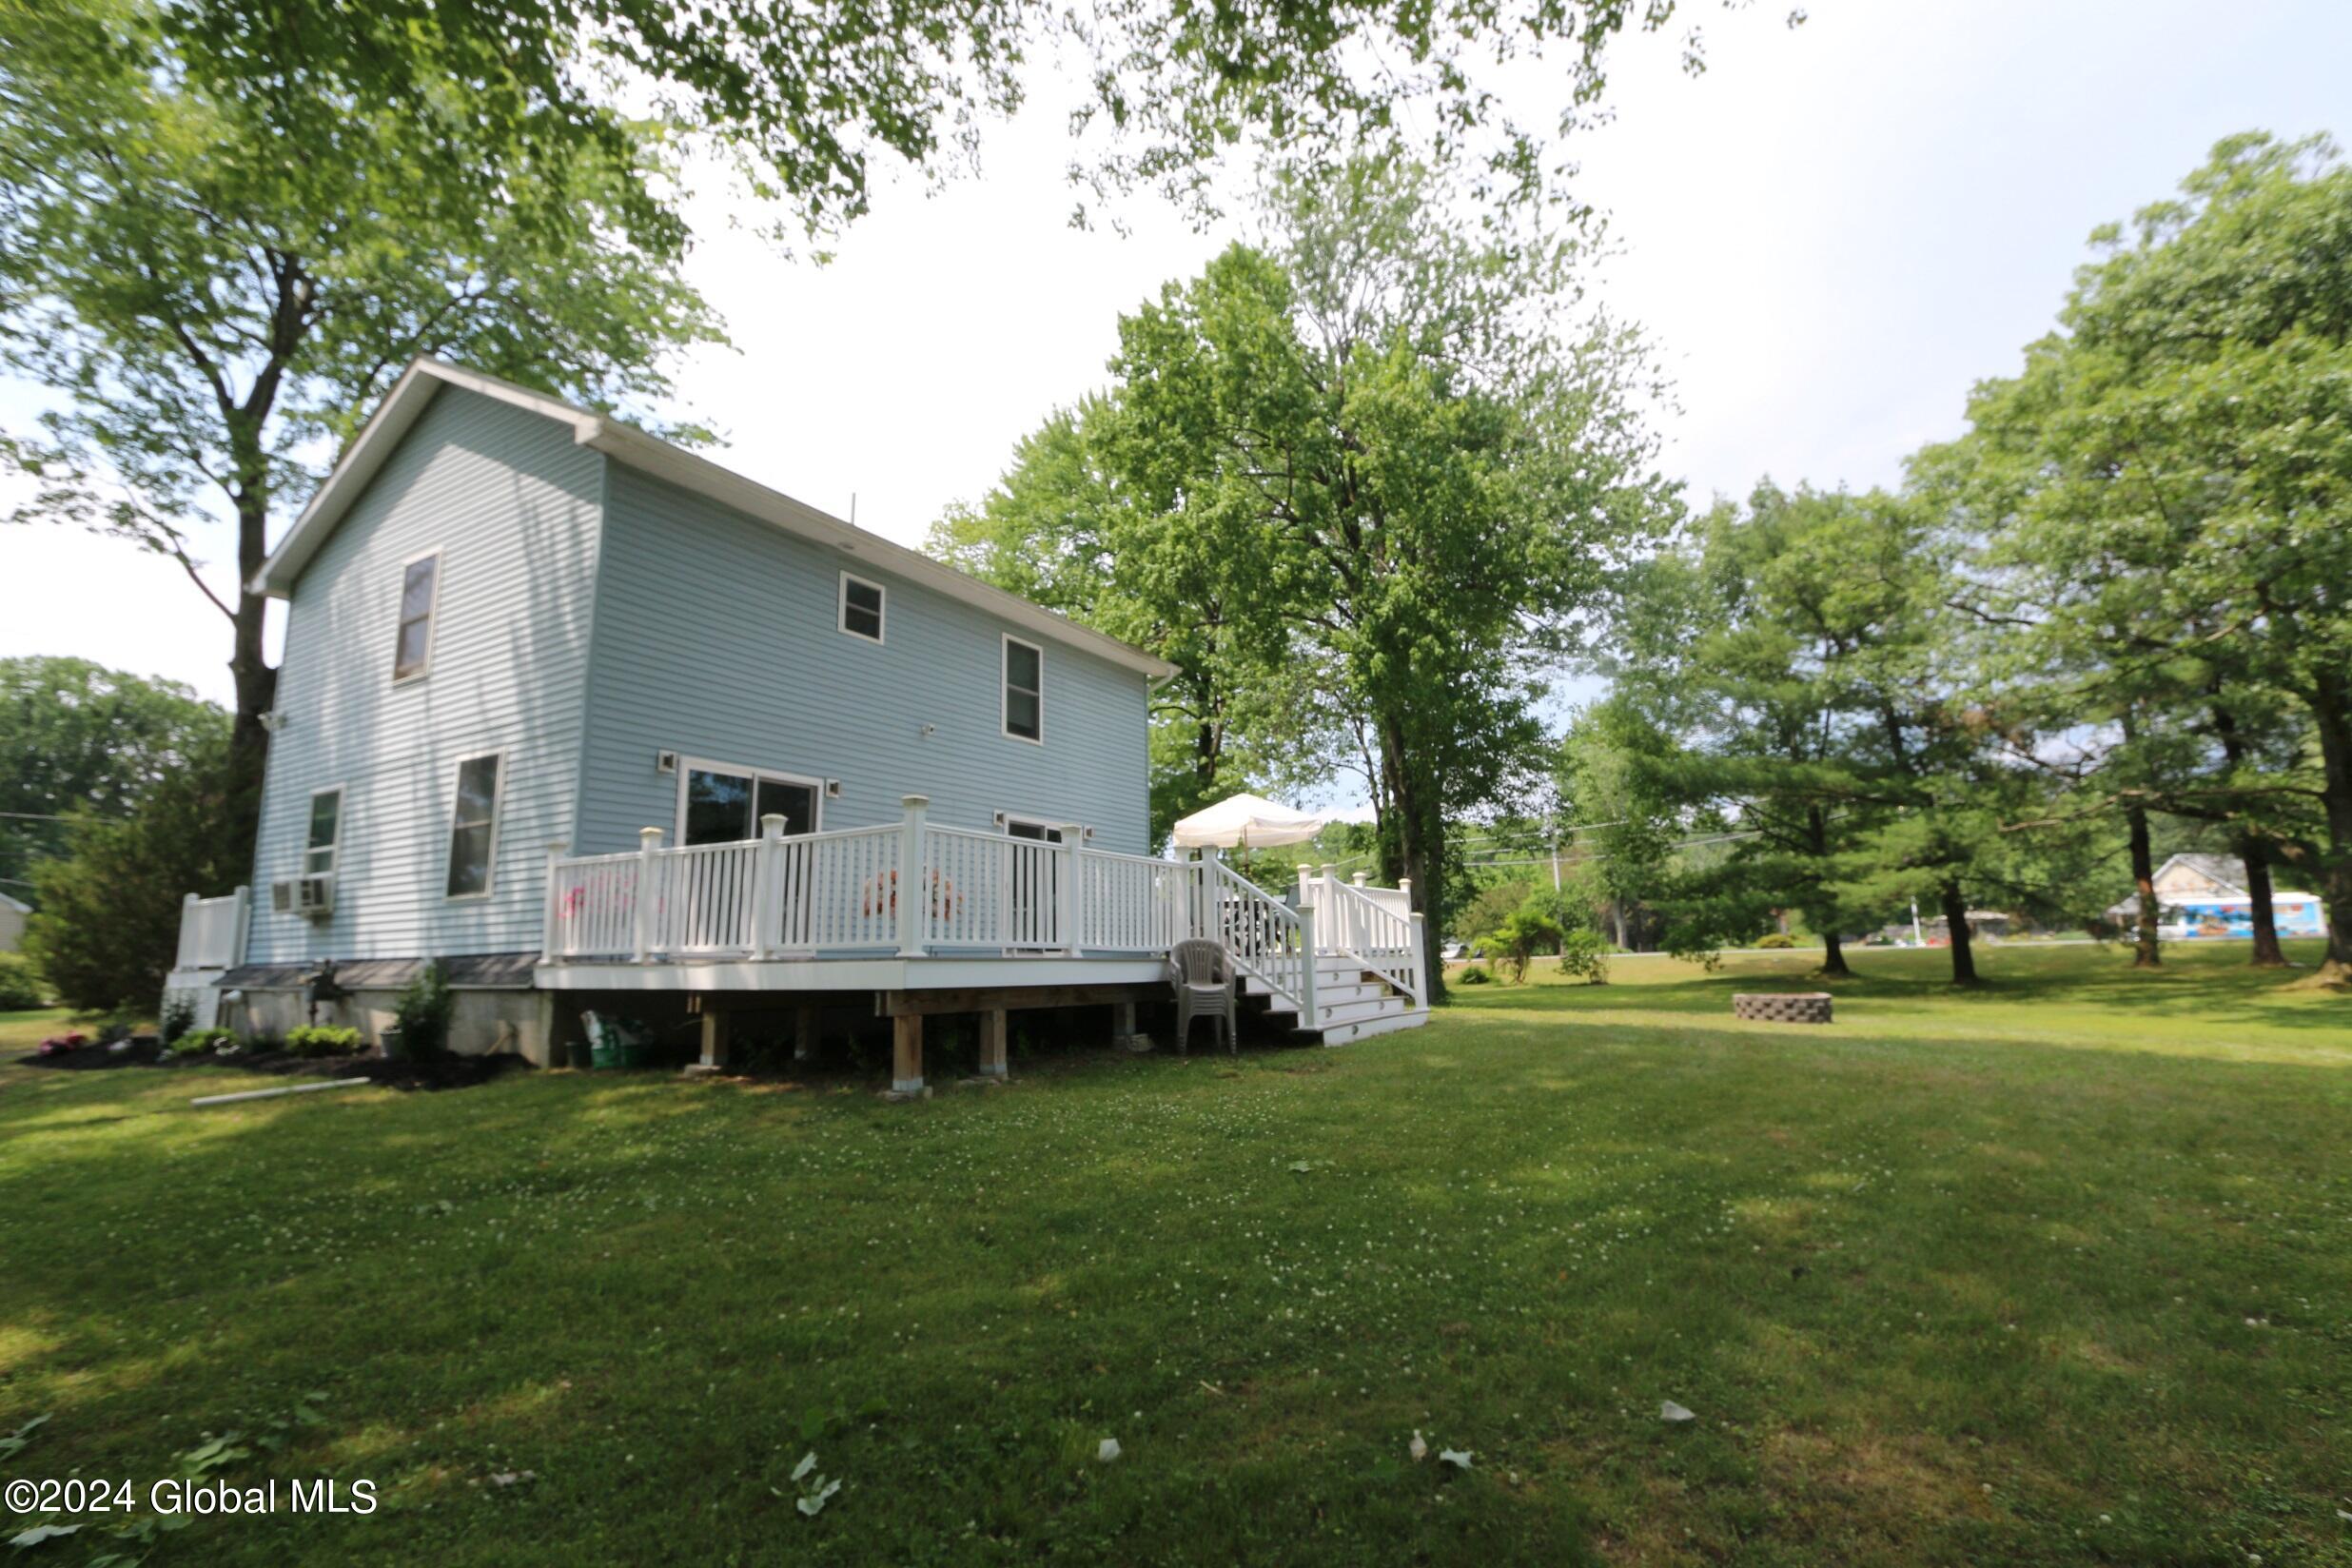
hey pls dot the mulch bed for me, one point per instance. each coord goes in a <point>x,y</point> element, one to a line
<point>450,1071</point>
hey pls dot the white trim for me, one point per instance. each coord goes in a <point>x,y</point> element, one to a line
<point>334,847</point>
<point>414,392</point>
<point>498,822</point>
<point>881,609</point>
<point>1004,689</point>
<point>687,766</point>
<point>432,617</point>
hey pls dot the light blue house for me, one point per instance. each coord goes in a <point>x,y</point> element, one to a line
<point>575,710</point>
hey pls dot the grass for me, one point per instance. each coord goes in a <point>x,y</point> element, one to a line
<point>2057,1272</point>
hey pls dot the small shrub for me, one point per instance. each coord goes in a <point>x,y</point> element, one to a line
<point>322,1040</point>
<point>1584,955</point>
<point>1524,932</point>
<point>21,989</point>
<point>207,1042</point>
<point>1775,939</point>
<point>424,1013</point>
<point>1473,975</point>
<point>179,1017</point>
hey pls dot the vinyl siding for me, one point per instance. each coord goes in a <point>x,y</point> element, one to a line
<point>716,638</point>
<point>512,504</point>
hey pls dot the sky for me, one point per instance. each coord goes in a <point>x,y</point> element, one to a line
<point>1828,236</point>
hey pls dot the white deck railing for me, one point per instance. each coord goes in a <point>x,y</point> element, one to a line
<point>1374,926</point>
<point>212,930</point>
<point>914,888</point>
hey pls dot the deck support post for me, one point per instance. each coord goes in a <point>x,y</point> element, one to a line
<point>551,910</point>
<point>714,1039</point>
<point>907,1053</point>
<point>1122,1026</point>
<point>649,840</point>
<point>1073,887</point>
<point>993,1029</point>
<point>766,934</point>
<point>913,894</point>
<point>804,1034</point>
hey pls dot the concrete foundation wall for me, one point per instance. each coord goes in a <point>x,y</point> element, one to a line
<point>522,1022</point>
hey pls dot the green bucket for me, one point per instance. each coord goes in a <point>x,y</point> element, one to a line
<point>617,1043</point>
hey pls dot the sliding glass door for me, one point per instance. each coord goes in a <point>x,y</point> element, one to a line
<point>721,805</point>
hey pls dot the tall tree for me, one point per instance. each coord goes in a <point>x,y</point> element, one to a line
<point>214,311</point>
<point>1416,461</point>
<point>1613,796</point>
<point>1731,643</point>
<point>807,96</point>
<point>2193,419</point>
<point>75,736</point>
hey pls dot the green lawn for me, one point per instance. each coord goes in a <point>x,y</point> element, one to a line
<point>2057,1272</point>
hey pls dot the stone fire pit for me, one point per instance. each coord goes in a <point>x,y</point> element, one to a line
<point>1803,1007</point>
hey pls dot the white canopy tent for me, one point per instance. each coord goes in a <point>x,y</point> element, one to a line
<point>1246,821</point>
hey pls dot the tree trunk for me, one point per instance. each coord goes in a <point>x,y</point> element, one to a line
<point>255,681</point>
<point>1416,849</point>
<point>2144,954</point>
<point>1963,944</point>
<point>1824,915</point>
<point>2331,715</point>
<point>2267,953</point>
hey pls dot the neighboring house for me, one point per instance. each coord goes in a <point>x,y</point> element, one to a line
<point>546,676</point>
<point>13,913</point>
<point>2200,895</point>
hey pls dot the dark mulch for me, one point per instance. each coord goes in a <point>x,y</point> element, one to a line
<point>442,1072</point>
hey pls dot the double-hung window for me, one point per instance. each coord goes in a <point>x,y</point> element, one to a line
<point>325,831</point>
<point>412,649</point>
<point>474,826</point>
<point>861,608</point>
<point>1025,690</point>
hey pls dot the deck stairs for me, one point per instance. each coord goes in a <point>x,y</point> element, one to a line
<point>1364,946</point>
<point>1351,1003</point>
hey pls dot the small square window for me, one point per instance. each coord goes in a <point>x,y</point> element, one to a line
<point>861,607</point>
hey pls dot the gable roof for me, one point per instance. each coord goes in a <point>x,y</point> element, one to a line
<point>2224,871</point>
<point>665,460</point>
<point>8,901</point>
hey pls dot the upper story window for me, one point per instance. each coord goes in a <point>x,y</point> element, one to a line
<point>419,592</point>
<point>474,826</point>
<point>325,831</point>
<point>861,607</point>
<point>1025,690</point>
